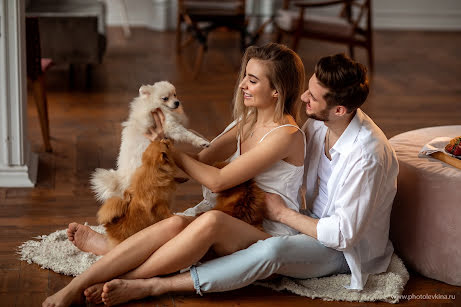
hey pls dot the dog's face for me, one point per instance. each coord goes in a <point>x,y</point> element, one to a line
<point>158,154</point>
<point>162,94</point>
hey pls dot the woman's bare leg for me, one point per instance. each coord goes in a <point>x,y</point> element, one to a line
<point>214,229</point>
<point>124,257</point>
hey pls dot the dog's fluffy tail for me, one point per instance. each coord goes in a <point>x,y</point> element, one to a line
<point>113,209</point>
<point>105,184</point>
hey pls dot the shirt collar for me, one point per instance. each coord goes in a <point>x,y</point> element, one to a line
<point>345,141</point>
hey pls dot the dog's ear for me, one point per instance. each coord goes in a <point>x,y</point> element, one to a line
<point>144,91</point>
<point>164,157</point>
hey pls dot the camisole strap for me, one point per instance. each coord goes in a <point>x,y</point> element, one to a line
<point>287,125</point>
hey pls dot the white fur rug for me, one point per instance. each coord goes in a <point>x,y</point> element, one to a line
<point>387,286</point>
<point>56,253</point>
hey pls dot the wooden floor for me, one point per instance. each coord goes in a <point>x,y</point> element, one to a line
<point>416,84</point>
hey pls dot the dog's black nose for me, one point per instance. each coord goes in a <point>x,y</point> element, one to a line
<point>177,103</point>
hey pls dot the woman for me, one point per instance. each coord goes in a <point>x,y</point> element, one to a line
<point>264,143</point>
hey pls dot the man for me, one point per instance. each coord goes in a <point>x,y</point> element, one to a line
<point>350,181</point>
<point>351,171</point>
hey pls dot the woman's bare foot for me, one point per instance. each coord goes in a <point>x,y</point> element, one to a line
<point>62,298</point>
<point>93,293</point>
<point>86,239</point>
<point>119,291</point>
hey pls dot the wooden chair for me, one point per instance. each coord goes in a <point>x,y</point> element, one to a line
<point>352,27</point>
<point>73,32</point>
<point>36,68</point>
<point>203,16</point>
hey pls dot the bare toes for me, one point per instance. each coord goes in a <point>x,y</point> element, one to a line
<point>87,240</point>
<point>119,291</point>
<point>93,293</point>
<point>71,229</point>
<point>111,285</point>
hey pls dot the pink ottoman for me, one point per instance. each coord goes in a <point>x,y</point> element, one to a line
<point>426,216</point>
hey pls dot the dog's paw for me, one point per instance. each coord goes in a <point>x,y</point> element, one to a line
<point>205,144</point>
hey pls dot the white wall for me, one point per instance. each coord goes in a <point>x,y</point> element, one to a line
<point>388,14</point>
<point>417,14</point>
<point>154,14</point>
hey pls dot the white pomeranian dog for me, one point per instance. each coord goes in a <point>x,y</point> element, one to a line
<point>110,183</point>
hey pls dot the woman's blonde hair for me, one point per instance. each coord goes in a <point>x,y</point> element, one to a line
<point>286,75</point>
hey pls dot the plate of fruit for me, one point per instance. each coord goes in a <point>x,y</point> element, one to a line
<point>454,147</point>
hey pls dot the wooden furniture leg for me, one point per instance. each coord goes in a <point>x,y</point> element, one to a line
<point>38,88</point>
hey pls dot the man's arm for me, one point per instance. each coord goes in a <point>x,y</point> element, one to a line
<point>358,197</point>
<point>276,210</point>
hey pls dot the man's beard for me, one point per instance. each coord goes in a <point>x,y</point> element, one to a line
<point>321,116</point>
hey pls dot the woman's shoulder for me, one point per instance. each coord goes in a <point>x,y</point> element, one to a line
<point>285,134</point>
<point>289,127</point>
<point>290,139</point>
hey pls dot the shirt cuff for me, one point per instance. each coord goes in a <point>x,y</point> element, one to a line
<point>328,231</point>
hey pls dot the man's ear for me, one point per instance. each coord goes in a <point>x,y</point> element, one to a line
<point>340,110</point>
<point>144,91</point>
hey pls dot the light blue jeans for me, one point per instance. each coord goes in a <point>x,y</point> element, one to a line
<point>298,256</point>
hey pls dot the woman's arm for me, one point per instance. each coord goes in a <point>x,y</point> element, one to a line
<point>219,150</point>
<point>277,146</point>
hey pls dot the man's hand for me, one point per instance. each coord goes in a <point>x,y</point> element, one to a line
<point>276,210</point>
<point>275,207</point>
<point>156,132</point>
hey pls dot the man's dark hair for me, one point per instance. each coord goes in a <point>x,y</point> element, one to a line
<point>345,79</point>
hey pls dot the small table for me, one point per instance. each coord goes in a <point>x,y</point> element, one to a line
<point>426,216</point>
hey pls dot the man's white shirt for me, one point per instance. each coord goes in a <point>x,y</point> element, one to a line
<point>324,174</point>
<point>361,190</point>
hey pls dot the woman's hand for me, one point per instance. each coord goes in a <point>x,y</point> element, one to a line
<point>275,207</point>
<point>156,132</point>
